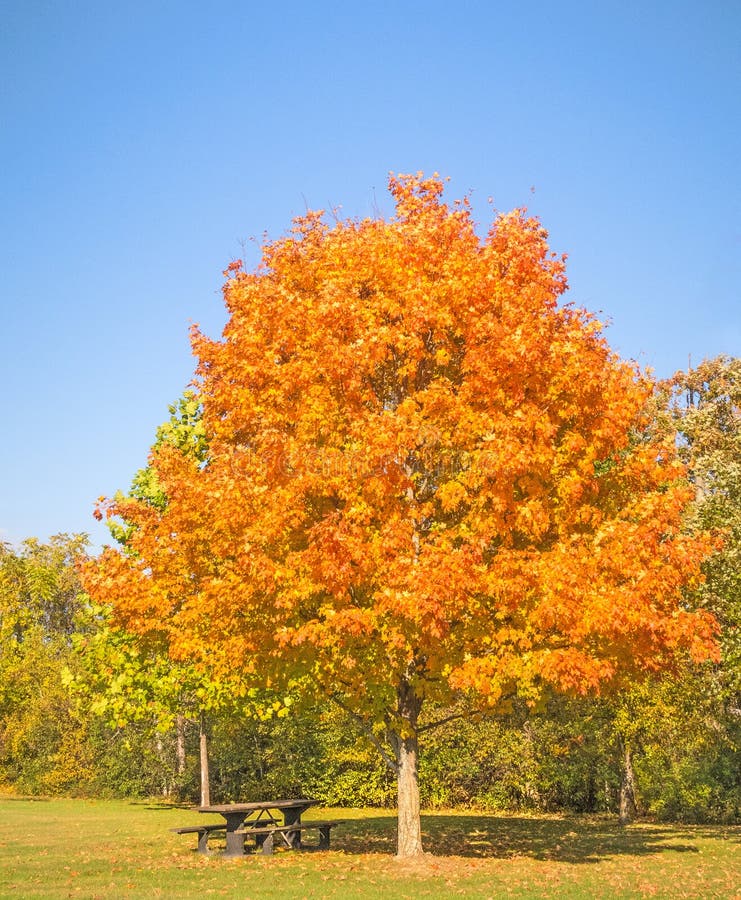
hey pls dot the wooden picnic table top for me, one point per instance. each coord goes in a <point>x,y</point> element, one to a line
<point>227,808</point>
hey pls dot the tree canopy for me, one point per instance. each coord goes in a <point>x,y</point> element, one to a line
<point>426,478</point>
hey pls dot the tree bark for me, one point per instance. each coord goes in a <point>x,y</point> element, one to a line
<point>409,841</point>
<point>406,750</point>
<point>627,788</point>
<point>205,778</point>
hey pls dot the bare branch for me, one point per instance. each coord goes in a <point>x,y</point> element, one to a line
<point>429,726</point>
<point>368,732</point>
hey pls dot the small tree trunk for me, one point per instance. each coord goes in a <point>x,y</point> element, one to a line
<point>180,744</point>
<point>406,750</point>
<point>161,755</point>
<point>627,788</point>
<point>205,778</point>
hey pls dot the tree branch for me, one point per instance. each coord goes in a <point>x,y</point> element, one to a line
<point>451,718</point>
<point>368,732</point>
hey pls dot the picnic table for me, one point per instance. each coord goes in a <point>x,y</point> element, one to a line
<point>263,819</point>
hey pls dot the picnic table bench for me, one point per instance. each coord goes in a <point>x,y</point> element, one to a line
<point>204,832</point>
<point>291,834</point>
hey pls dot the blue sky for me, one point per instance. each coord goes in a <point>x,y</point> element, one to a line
<point>144,144</point>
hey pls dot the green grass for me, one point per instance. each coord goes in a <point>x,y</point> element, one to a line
<point>116,849</point>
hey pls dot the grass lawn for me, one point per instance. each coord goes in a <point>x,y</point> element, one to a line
<point>116,849</point>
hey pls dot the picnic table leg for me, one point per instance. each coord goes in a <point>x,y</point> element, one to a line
<point>267,844</point>
<point>234,840</point>
<point>293,838</point>
<point>324,836</point>
<point>203,841</point>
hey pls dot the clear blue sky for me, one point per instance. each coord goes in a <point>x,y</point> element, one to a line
<point>141,143</point>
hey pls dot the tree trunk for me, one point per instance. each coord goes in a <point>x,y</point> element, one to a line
<point>406,750</point>
<point>161,755</point>
<point>205,778</point>
<point>627,788</point>
<point>409,824</point>
<point>180,744</point>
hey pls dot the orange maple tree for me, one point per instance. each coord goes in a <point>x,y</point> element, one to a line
<point>427,478</point>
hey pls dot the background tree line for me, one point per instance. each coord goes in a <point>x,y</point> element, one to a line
<point>88,709</point>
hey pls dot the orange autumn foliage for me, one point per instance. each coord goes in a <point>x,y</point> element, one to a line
<point>424,473</point>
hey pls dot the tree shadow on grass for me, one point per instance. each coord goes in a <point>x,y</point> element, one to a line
<point>572,840</point>
<point>164,804</point>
